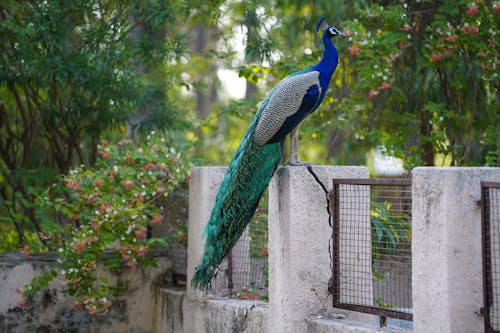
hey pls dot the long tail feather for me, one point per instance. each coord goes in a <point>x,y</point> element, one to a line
<point>246,179</point>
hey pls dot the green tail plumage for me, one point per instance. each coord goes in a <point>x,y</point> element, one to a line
<point>246,179</point>
<point>253,165</point>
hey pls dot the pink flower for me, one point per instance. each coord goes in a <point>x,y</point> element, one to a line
<point>131,263</point>
<point>105,155</point>
<point>80,247</point>
<point>496,7</point>
<point>79,307</point>
<point>141,252</point>
<point>406,28</point>
<point>92,239</point>
<point>473,9</point>
<point>105,302</point>
<point>467,29</point>
<point>451,38</point>
<point>90,267</point>
<point>150,166</point>
<point>373,94</point>
<point>98,182</point>
<point>104,208</point>
<point>354,50</point>
<point>347,33</point>
<point>92,310</point>
<point>73,185</point>
<point>128,184</point>
<point>157,220</point>
<point>22,304</point>
<point>129,160</point>
<point>141,233</point>
<point>385,86</point>
<point>437,57</point>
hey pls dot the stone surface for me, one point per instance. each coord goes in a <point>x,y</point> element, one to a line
<point>299,238</point>
<point>203,187</point>
<point>319,324</point>
<point>52,311</point>
<point>221,316</point>
<point>446,245</point>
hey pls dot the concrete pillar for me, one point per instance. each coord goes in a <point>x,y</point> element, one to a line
<point>299,237</point>
<point>203,187</point>
<point>446,246</point>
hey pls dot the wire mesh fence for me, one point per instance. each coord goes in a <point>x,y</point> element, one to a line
<point>490,201</point>
<point>372,246</point>
<point>243,274</point>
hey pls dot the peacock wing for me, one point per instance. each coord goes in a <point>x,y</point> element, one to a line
<point>288,104</point>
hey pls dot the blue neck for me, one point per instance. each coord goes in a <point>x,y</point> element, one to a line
<point>328,63</point>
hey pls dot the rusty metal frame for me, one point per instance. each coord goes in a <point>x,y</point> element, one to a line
<point>487,254</point>
<point>334,211</point>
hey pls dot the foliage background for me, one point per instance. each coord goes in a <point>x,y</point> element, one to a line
<point>418,78</point>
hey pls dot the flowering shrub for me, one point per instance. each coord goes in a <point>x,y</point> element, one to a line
<point>108,210</point>
<point>423,80</point>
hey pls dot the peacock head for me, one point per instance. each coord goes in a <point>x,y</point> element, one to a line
<point>330,31</point>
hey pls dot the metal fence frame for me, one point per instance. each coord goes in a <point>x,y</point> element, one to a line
<point>334,211</point>
<point>488,288</point>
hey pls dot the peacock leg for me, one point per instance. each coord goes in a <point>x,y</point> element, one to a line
<point>294,148</point>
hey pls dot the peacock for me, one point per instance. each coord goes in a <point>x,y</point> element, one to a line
<point>257,157</point>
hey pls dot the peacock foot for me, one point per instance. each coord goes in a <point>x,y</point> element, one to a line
<point>298,163</point>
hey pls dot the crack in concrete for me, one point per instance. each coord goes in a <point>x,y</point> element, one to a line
<point>330,223</point>
<point>315,176</point>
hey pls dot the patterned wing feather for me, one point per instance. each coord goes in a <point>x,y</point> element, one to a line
<point>246,178</point>
<point>285,101</point>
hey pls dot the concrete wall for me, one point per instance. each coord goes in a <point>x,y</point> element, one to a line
<point>446,245</point>
<point>52,311</point>
<point>299,238</point>
<point>299,263</point>
<point>446,277</point>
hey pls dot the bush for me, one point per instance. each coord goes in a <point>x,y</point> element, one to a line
<point>106,213</point>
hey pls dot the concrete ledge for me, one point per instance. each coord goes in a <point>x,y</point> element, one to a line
<point>181,314</point>
<point>319,324</point>
<point>248,316</point>
<point>229,315</point>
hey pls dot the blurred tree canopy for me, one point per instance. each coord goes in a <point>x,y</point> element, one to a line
<point>75,72</point>
<point>417,77</point>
